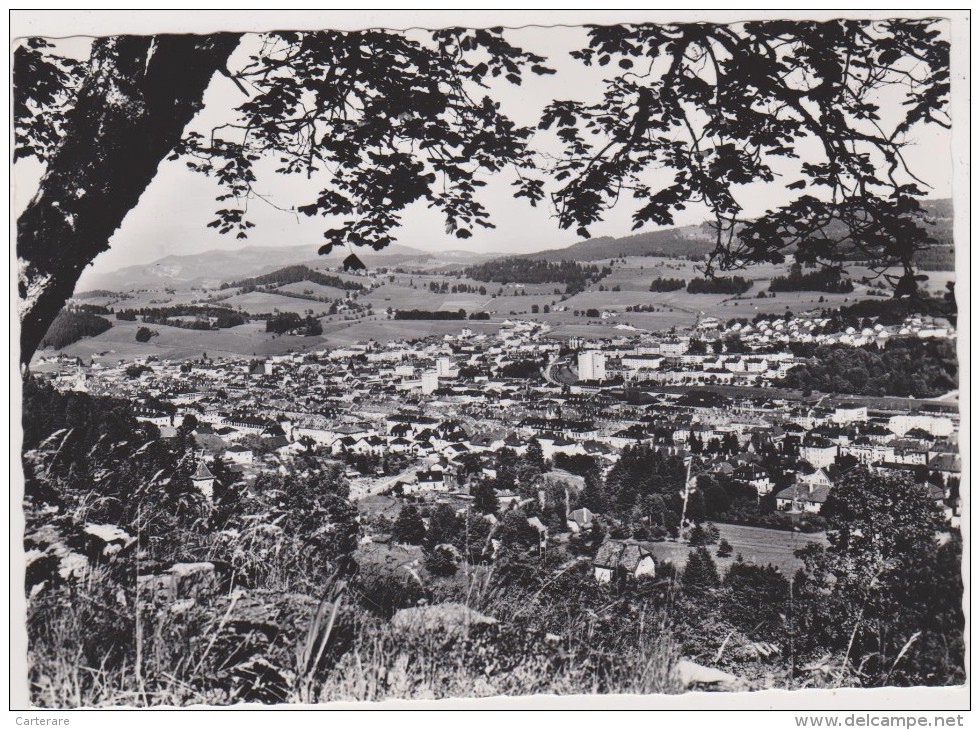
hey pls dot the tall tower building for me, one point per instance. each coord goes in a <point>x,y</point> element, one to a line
<point>591,365</point>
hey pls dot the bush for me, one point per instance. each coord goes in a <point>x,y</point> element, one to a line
<point>703,535</point>
<point>143,334</point>
<point>383,592</point>
<point>700,573</point>
<point>409,527</point>
<point>441,561</point>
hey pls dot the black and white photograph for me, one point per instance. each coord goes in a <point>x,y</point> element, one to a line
<point>447,356</point>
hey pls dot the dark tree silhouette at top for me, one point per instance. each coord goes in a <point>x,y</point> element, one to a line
<point>342,106</point>
<point>391,120</point>
<point>717,105</point>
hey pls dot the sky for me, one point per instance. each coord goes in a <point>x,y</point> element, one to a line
<point>172,215</point>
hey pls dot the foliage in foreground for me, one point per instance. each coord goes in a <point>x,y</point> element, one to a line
<point>300,614</point>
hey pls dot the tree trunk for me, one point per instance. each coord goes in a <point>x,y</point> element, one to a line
<point>130,112</point>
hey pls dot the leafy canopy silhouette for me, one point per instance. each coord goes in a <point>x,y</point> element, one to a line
<point>389,119</point>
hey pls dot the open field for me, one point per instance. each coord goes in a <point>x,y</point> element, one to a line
<point>411,291</point>
<point>317,290</point>
<point>756,545</point>
<point>680,309</point>
<point>401,296</point>
<point>176,343</point>
<point>148,298</point>
<point>257,302</point>
<point>638,271</point>
<point>635,275</point>
<point>521,305</point>
<point>721,306</point>
<point>250,339</point>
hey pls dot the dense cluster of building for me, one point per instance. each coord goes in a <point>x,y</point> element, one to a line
<point>414,411</point>
<point>764,356</point>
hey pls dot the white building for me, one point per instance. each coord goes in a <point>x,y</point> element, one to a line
<point>240,455</point>
<point>430,383</point>
<point>641,362</point>
<point>591,365</point>
<point>819,455</point>
<point>845,414</point>
<point>674,347</point>
<point>934,425</point>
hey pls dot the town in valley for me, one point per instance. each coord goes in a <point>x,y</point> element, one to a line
<point>432,419</point>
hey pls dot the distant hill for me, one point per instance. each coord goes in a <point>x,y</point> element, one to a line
<point>697,241</point>
<point>213,267</point>
<point>672,242</point>
<point>292,275</point>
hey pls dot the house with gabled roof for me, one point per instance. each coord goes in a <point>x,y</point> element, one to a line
<point>240,454</point>
<point>947,463</point>
<point>624,556</point>
<point>815,478</point>
<point>754,476</point>
<point>802,497</point>
<point>431,479</point>
<point>580,520</point>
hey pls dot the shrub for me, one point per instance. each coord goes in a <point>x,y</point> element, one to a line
<point>441,561</point>
<point>409,527</point>
<point>143,334</point>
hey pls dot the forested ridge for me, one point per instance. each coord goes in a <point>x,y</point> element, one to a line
<point>719,285</point>
<point>173,316</point>
<point>70,326</point>
<point>825,280</point>
<point>293,275</point>
<point>514,270</point>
